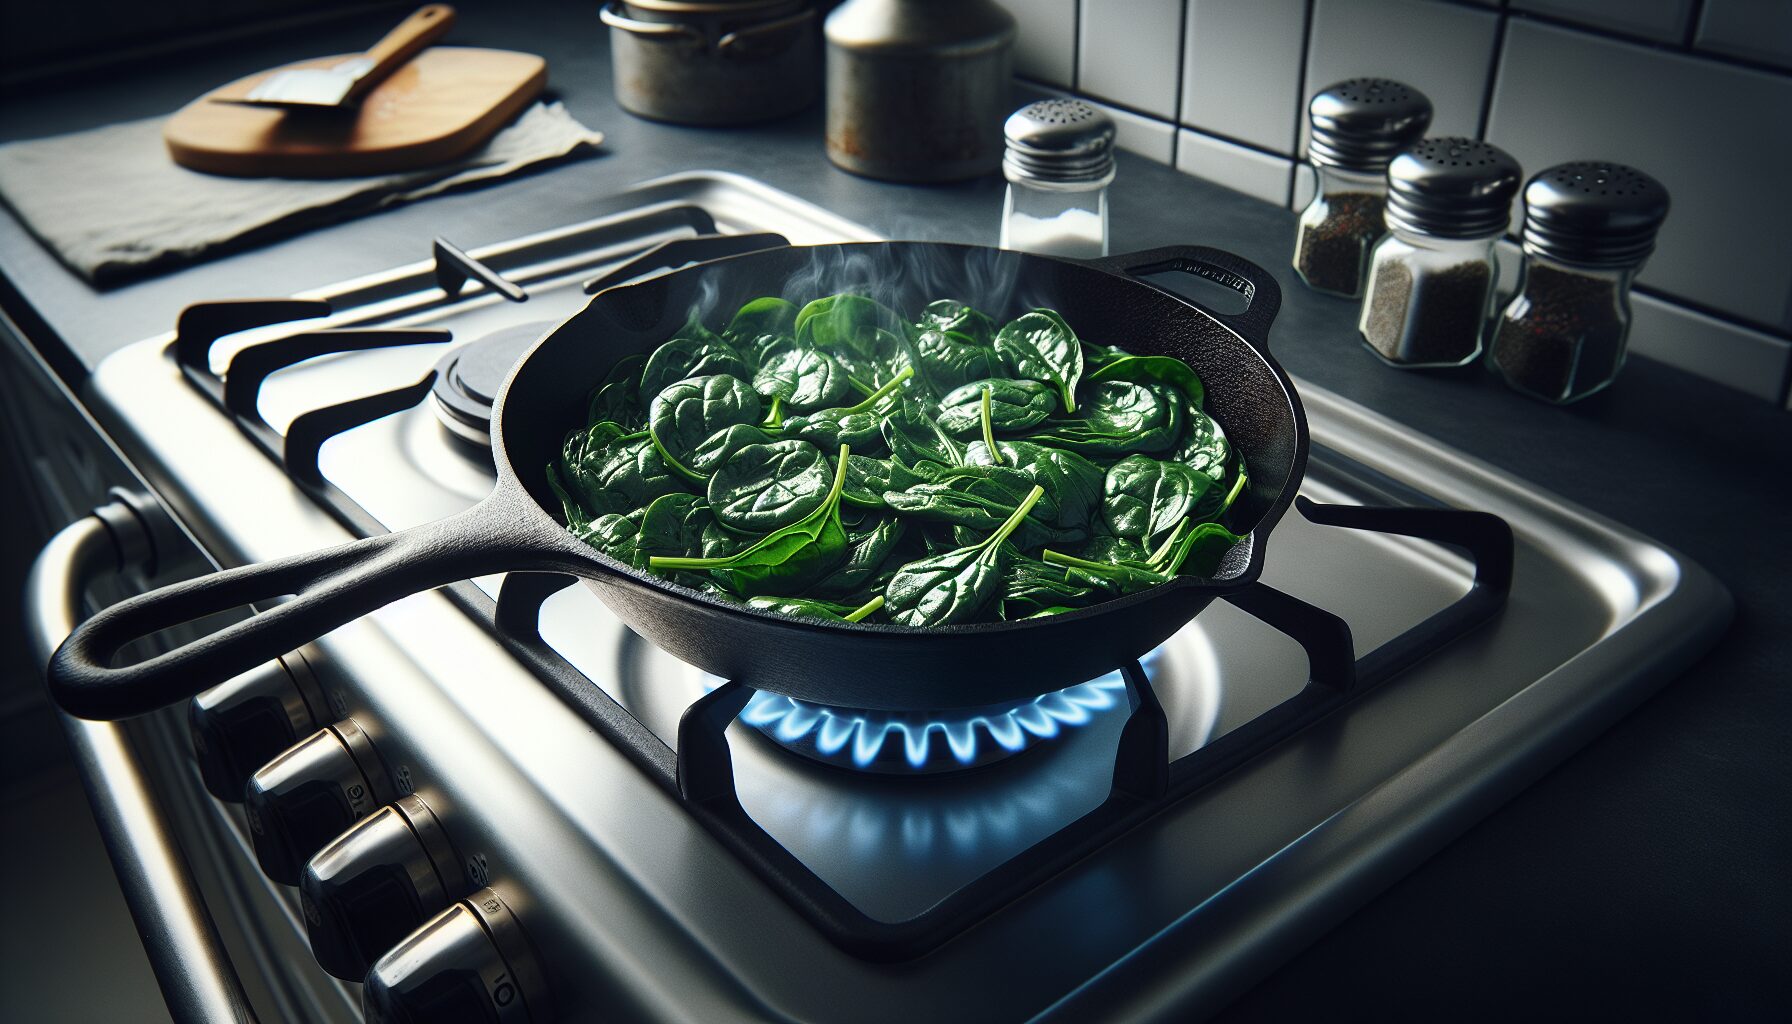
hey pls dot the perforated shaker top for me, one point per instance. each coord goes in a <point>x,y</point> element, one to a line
<point>1452,187</point>
<point>1594,213</point>
<point>1058,140</point>
<point>1359,124</point>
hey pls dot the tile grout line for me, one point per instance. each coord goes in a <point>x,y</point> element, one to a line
<point>1493,72</point>
<point>1301,98</point>
<point>1181,75</point>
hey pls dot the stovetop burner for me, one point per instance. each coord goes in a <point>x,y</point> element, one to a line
<point>468,378</point>
<point>891,743</point>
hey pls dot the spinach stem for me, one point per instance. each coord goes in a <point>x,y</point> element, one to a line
<point>995,539</point>
<point>989,434</point>
<point>827,508</point>
<point>1168,545</point>
<point>881,393</point>
<point>775,418</point>
<point>865,609</point>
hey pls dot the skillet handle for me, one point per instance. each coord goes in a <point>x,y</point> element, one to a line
<point>330,587</point>
<point>1263,297</point>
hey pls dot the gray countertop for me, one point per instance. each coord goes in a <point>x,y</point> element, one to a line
<point>1647,877</point>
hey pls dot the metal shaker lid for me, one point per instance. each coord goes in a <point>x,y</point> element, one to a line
<point>1452,187</point>
<point>1058,141</point>
<point>1593,213</point>
<point>1359,124</point>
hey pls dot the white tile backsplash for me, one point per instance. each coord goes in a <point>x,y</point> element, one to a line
<point>1700,108</point>
<point>1442,50</point>
<point>1751,29</point>
<point>1664,20</point>
<point>1699,126</point>
<point>1237,167</point>
<point>1045,45</point>
<point>1241,70</point>
<point>1130,52</point>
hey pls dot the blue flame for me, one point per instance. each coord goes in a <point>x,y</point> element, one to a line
<point>932,742</point>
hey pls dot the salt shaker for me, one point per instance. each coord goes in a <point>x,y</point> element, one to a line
<point>1431,277</point>
<point>1358,125</point>
<point>1059,161</point>
<point>1588,227</point>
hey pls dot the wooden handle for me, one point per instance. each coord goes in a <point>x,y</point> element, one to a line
<point>410,38</point>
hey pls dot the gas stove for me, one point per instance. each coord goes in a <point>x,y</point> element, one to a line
<point>583,826</point>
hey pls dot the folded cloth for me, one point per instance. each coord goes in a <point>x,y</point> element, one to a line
<point>112,204</point>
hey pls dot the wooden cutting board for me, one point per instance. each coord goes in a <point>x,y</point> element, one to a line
<point>446,102</point>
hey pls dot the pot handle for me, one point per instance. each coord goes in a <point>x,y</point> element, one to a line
<point>741,40</point>
<point>330,587</point>
<point>658,31</point>
<point>1263,297</point>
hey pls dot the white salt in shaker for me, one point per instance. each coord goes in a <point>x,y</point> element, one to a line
<point>1059,161</point>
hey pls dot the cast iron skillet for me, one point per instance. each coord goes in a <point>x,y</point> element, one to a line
<point>851,665</point>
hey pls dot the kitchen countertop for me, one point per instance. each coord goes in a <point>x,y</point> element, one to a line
<point>1646,877</point>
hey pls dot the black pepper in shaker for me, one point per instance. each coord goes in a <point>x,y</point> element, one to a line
<point>1431,277</point>
<point>1588,227</point>
<point>1358,125</point>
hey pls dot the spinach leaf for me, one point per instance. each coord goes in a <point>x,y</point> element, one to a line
<point>980,498</point>
<point>1033,586</point>
<point>952,316</point>
<point>720,446</point>
<point>1204,447</point>
<point>765,317</point>
<point>1160,369</point>
<point>766,487</point>
<point>802,606</point>
<point>618,398</point>
<point>955,586</point>
<point>674,525</point>
<point>1041,346</point>
<point>1014,406</point>
<point>690,412</point>
<point>693,353</point>
<point>944,360</point>
<point>620,475</point>
<point>615,535</point>
<point>856,426</point>
<point>1108,548</point>
<point>1074,484</point>
<point>845,326</point>
<point>787,560</point>
<point>914,439</point>
<point>804,378</point>
<point>720,542</point>
<point>867,479</point>
<point>868,547</point>
<point>1121,417</point>
<point>1144,499</point>
<point>1100,355</point>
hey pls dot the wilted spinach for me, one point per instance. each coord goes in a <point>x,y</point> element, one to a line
<point>985,470</point>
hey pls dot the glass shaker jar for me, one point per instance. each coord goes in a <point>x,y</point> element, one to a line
<point>1588,227</point>
<point>1059,161</point>
<point>1431,278</point>
<point>1358,125</point>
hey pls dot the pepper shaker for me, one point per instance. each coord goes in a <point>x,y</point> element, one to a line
<point>1431,277</point>
<point>1588,227</point>
<point>1059,161</point>
<point>1357,126</point>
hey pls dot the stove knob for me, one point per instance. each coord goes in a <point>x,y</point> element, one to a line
<point>309,795</point>
<point>470,963</point>
<point>375,883</point>
<point>242,722</point>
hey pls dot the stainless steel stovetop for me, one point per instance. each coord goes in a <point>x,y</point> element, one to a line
<point>634,908</point>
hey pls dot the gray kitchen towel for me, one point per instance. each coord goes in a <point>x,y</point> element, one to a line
<point>112,204</point>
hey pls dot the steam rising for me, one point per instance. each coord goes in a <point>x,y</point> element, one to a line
<point>903,276</point>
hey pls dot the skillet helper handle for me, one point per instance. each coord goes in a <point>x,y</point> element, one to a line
<point>412,36</point>
<point>330,587</point>
<point>1263,297</point>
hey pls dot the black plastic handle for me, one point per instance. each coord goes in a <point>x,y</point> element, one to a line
<point>1263,296</point>
<point>329,587</point>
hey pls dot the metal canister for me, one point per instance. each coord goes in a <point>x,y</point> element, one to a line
<point>714,62</point>
<point>917,90</point>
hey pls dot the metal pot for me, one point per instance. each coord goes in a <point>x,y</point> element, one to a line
<point>713,62</point>
<point>918,89</point>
